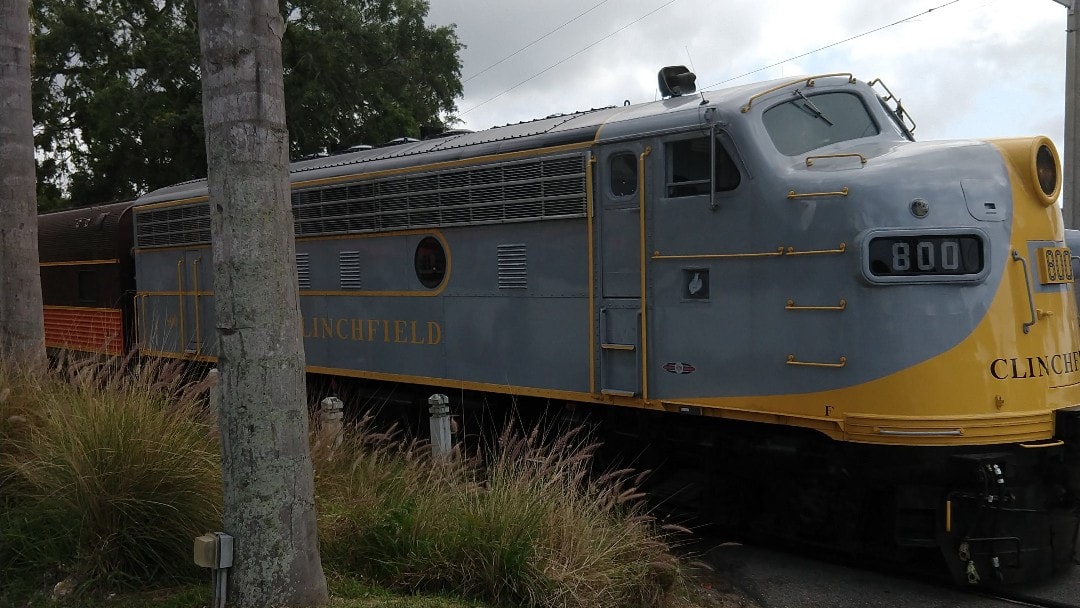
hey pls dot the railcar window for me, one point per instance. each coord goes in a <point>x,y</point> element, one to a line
<point>623,174</point>
<point>430,262</point>
<point>807,122</point>
<point>88,287</point>
<point>688,168</point>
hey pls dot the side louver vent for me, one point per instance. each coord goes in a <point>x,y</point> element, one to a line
<point>547,188</point>
<point>173,226</point>
<point>513,267</point>
<point>349,267</point>
<point>303,270</point>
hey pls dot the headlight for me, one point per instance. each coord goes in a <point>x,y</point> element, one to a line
<point>1046,170</point>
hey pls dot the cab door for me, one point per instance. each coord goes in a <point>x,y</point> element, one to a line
<point>621,174</point>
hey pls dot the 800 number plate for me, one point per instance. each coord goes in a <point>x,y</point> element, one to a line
<point>1055,265</point>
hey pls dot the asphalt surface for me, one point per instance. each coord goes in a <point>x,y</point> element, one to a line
<point>772,579</point>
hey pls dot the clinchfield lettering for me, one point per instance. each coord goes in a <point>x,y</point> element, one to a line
<point>1035,367</point>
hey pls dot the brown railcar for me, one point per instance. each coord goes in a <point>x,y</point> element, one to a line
<point>88,278</point>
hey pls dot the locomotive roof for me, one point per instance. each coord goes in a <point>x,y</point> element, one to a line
<point>83,233</point>
<point>596,125</point>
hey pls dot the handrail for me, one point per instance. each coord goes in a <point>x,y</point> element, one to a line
<point>780,252</point>
<point>198,326</point>
<point>1031,297</point>
<point>841,248</point>
<point>842,192</point>
<point>719,256</point>
<point>810,159</point>
<point>927,433</point>
<point>792,306</point>
<point>791,361</point>
<point>180,302</point>
<point>643,337</point>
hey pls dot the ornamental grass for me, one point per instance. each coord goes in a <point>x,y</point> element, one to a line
<point>107,471</point>
<point>529,524</point>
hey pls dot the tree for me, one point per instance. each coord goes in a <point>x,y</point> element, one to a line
<point>269,501</point>
<point>22,329</point>
<point>361,71</point>
<point>117,95</point>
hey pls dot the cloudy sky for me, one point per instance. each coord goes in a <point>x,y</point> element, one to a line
<point>965,69</point>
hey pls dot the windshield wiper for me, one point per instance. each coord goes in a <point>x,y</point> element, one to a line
<point>811,109</point>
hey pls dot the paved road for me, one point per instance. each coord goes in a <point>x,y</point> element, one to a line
<point>780,580</point>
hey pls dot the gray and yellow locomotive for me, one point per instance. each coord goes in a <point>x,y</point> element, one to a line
<point>885,328</point>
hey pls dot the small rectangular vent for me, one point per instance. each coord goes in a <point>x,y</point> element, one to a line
<point>349,268</point>
<point>513,267</point>
<point>303,270</point>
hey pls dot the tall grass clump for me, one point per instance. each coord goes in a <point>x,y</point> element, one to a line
<point>110,476</point>
<point>528,524</point>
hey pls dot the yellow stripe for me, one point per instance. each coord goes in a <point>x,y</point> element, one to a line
<point>173,293</point>
<point>79,263</point>
<point>505,389</point>
<point>370,235</point>
<point>185,248</point>
<point>183,201</point>
<point>360,293</point>
<point>79,308</point>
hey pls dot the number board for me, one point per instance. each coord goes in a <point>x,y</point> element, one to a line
<point>926,255</point>
<point>1055,265</point>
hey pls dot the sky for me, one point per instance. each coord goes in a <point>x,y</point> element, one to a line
<point>964,69</point>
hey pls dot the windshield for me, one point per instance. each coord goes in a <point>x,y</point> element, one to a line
<point>807,122</point>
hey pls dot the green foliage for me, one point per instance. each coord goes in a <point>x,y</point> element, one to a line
<point>105,478</point>
<point>530,527</point>
<point>118,103</point>
<point>110,479</point>
<point>365,71</point>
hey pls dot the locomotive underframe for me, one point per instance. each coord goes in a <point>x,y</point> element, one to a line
<point>994,514</point>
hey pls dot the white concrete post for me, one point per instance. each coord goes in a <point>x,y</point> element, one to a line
<point>440,425</point>
<point>330,425</point>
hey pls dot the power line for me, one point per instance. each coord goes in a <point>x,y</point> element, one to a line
<point>579,16</point>
<point>827,46</point>
<point>564,60</point>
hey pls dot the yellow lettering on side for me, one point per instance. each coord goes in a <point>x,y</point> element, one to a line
<point>399,331</point>
<point>342,335</point>
<point>416,340</point>
<point>304,327</point>
<point>434,333</point>
<point>327,328</point>
<point>386,330</point>
<point>357,329</point>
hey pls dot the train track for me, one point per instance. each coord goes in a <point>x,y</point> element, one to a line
<point>1021,599</point>
<point>770,573</point>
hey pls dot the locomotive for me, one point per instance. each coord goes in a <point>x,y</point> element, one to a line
<point>861,339</point>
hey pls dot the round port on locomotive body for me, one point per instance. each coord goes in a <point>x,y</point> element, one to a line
<point>430,262</point>
<point>1046,171</point>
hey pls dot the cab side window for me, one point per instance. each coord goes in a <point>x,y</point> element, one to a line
<point>623,171</point>
<point>688,172</point>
